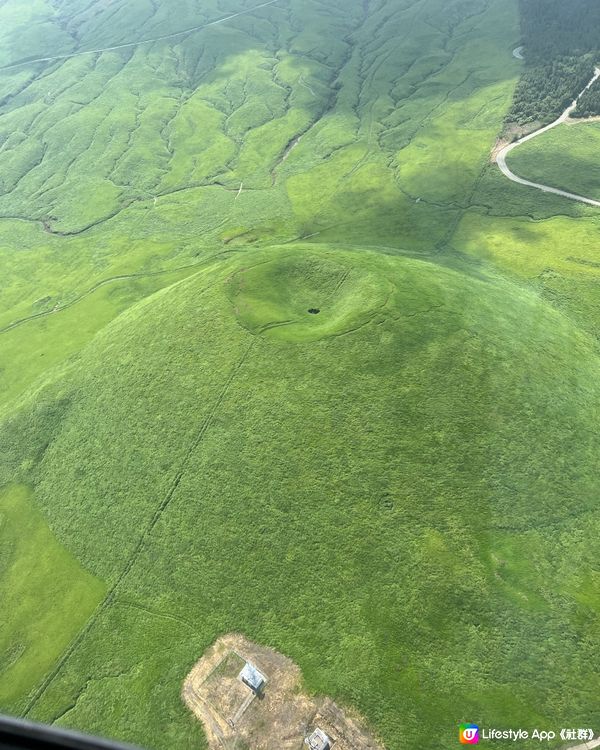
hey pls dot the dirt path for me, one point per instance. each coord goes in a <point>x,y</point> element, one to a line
<point>503,152</point>
<point>518,53</point>
<point>143,41</point>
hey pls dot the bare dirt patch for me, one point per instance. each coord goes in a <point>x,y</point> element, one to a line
<point>512,132</point>
<point>280,717</point>
<point>577,120</point>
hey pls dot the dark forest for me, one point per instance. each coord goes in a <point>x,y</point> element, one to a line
<point>561,41</point>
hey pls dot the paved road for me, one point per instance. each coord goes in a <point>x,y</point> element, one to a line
<point>586,745</point>
<point>143,41</point>
<point>503,153</point>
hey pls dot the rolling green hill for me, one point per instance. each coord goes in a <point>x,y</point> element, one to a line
<point>354,487</point>
<point>398,491</point>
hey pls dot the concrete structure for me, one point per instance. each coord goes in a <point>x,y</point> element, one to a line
<point>318,740</point>
<point>251,677</point>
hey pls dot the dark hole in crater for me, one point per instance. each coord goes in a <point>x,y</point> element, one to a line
<point>314,310</point>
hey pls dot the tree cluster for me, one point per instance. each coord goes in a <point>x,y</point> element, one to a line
<point>589,104</point>
<point>554,28</point>
<point>546,90</point>
<point>561,43</point>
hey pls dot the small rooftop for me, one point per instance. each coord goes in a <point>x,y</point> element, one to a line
<point>318,740</point>
<point>252,677</point>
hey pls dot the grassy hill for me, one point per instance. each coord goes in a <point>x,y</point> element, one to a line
<point>564,158</point>
<point>331,120</point>
<point>399,491</point>
<point>354,487</point>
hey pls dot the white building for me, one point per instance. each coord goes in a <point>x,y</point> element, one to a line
<point>318,740</point>
<point>251,677</point>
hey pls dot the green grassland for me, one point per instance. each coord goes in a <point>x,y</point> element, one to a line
<point>400,493</point>
<point>39,579</point>
<point>382,556</point>
<point>565,158</point>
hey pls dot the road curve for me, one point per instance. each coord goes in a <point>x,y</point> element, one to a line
<point>586,745</point>
<point>505,151</point>
<point>143,41</point>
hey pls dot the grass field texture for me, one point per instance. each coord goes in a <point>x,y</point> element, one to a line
<point>289,555</point>
<point>399,492</point>
<point>39,580</point>
<point>565,158</point>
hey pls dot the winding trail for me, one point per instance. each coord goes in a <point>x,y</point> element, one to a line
<point>143,41</point>
<point>91,290</point>
<point>503,153</point>
<point>111,280</point>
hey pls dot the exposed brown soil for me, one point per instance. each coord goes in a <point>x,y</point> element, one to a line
<point>510,133</point>
<point>498,146</point>
<point>577,120</point>
<point>278,719</point>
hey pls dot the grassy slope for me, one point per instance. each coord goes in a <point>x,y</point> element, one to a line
<point>39,580</point>
<point>564,158</point>
<point>357,104</point>
<point>413,430</point>
<point>406,431</point>
<point>31,348</point>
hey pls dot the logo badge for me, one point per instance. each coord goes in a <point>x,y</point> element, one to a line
<point>468,734</point>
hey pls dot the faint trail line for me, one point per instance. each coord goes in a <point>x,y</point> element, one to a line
<point>341,282</point>
<point>131,605</point>
<point>110,596</point>
<point>143,41</point>
<point>102,283</point>
<point>503,153</point>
